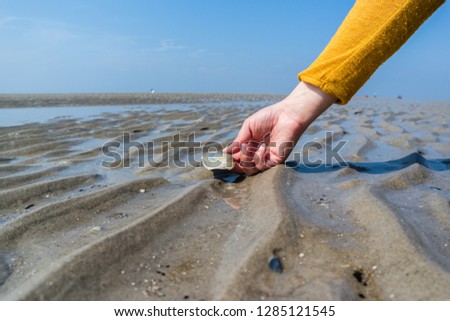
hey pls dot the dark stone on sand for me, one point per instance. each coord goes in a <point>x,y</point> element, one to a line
<point>275,264</point>
<point>359,276</point>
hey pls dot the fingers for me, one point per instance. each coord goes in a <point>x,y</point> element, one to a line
<point>232,148</point>
<point>257,159</point>
<point>237,168</point>
<point>251,158</point>
<point>243,160</point>
<point>247,158</point>
<point>263,159</point>
<point>260,157</point>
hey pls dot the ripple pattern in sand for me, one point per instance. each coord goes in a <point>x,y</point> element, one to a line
<point>71,229</point>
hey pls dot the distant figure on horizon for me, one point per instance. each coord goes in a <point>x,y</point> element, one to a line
<point>371,33</point>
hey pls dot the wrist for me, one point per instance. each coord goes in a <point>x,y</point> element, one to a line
<point>307,102</point>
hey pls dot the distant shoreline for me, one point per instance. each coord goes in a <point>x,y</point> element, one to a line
<point>58,100</point>
<point>129,99</point>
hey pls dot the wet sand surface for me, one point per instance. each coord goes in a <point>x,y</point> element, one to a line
<point>76,224</point>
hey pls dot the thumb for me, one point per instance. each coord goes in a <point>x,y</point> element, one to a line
<point>243,136</point>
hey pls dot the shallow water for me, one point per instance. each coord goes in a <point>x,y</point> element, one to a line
<point>375,167</point>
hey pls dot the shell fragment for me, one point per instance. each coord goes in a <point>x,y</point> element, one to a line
<point>218,160</point>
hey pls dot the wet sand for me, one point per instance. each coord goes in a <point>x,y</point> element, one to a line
<point>72,229</point>
<point>64,100</point>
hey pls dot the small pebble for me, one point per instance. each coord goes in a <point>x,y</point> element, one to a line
<point>301,254</point>
<point>142,190</point>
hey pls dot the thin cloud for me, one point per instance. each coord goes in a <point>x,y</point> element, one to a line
<point>197,53</point>
<point>169,44</point>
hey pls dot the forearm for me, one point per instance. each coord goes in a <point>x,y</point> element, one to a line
<point>372,32</point>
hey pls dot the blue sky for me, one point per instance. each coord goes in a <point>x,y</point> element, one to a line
<point>232,46</point>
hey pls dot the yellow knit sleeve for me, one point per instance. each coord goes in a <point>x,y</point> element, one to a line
<point>372,32</point>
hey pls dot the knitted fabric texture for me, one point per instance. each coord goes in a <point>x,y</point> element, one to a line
<point>372,32</point>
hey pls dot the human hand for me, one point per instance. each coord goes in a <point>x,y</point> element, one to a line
<point>268,136</point>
